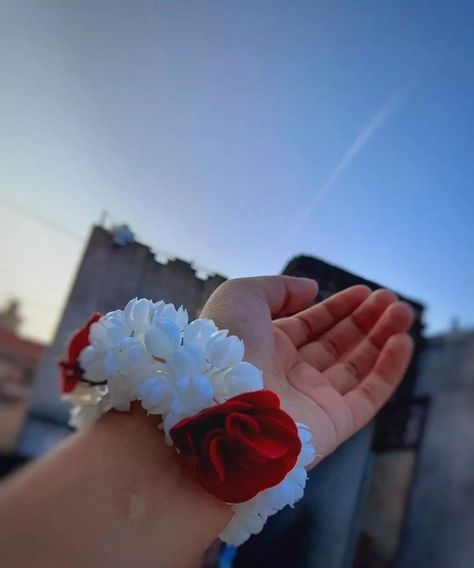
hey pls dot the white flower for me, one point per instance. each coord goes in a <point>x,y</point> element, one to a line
<point>137,315</point>
<point>307,453</point>
<point>114,318</point>
<point>241,526</point>
<point>175,399</point>
<point>164,311</point>
<point>199,332</point>
<point>155,394</point>
<point>82,416</point>
<point>192,394</point>
<point>297,477</point>
<point>224,352</point>
<point>121,392</point>
<point>91,360</point>
<point>89,404</point>
<point>107,333</point>
<point>235,533</point>
<point>169,420</point>
<point>162,338</point>
<point>244,377</point>
<point>129,358</point>
<point>186,360</point>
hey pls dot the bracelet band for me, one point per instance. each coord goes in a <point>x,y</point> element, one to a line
<point>242,447</point>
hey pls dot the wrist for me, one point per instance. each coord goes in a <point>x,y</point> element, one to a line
<point>113,494</point>
<point>152,488</point>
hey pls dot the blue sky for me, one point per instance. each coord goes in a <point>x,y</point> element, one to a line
<point>238,134</point>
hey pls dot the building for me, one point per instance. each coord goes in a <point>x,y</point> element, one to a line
<point>19,358</point>
<point>439,526</point>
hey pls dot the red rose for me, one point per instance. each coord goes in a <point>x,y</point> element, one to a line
<point>241,446</point>
<point>70,370</point>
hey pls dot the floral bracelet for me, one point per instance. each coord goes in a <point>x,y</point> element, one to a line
<point>242,447</point>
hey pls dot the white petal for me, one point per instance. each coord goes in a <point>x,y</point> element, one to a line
<point>193,395</point>
<point>127,312</point>
<point>162,338</point>
<point>252,523</point>
<point>306,456</point>
<point>127,353</point>
<point>182,318</point>
<point>198,332</point>
<point>179,316</point>
<point>130,357</point>
<point>115,334</point>
<point>298,493</point>
<point>155,395</point>
<point>187,360</point>
<point>234,534</point>
<point>91,360</point>
<point>115,318</point>
<point>244,377</point>
<point>221,388</point>
<point>141,312</point>
<point>304,432</point>
<point>245,522</point>
<point>298,476</point>
<point>110,363</point>
<point>169,420</point>
<point>224,352</point>
<point>98,335</point>
<point>168,312</point>
<point>120,394</point>
<point>281,494</point>
<point>83,416</point>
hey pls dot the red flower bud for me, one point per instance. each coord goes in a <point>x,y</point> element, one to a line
<point>69,368</point>
<point>240,447</point>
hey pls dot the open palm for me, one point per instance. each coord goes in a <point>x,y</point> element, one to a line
<point>333,364</point>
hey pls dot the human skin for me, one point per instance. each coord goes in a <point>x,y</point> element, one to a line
<point>116,495</point>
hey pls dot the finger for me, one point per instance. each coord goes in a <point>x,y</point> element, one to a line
<point>310,323</point>
<point>284,294</point>
<point>351,330</point>
<point>280,295</point>
<point>245,306</point>
<point>356,365</point>
<point>328,349</point>
<point>373,392</point>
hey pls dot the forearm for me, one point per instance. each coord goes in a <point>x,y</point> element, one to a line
<point>112,495</point>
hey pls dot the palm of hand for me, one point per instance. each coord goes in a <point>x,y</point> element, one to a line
<point>334,364</point>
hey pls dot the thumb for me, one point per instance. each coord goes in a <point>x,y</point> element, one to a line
<point>246,306</point>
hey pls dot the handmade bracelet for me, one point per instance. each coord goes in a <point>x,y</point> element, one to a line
<point>243,448</point>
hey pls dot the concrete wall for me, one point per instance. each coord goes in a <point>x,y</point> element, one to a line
<point>439,528</point>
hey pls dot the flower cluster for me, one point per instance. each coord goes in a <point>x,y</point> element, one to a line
<point>150,352</point>
<point>243,447</point>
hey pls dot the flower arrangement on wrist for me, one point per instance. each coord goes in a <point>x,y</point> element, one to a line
<point>241,446</point>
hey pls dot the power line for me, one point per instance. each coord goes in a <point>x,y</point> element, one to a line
<point>26,212</point>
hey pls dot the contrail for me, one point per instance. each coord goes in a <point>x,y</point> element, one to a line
<point>377,120</point>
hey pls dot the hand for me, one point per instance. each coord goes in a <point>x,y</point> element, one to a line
<point>334,364</point>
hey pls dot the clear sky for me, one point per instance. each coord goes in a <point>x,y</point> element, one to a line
<point>237,134</point>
